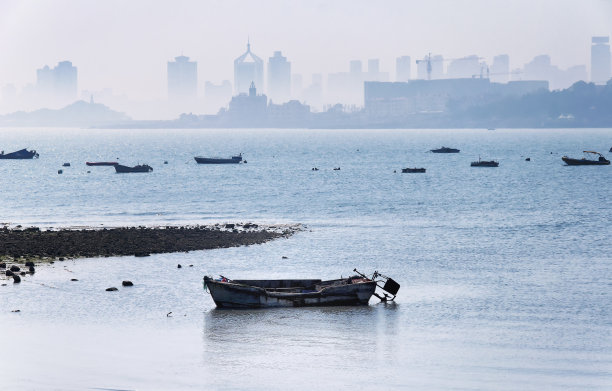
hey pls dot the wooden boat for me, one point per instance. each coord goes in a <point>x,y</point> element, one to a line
<point>139,168</point>
<point>218,160</point>
<point>355,290</point>
<point>412,170</point>
<point>21,154</point>
<point>444,150</point>
<point>484,163</point>
<point>101,163</point>
<point>588,160</point>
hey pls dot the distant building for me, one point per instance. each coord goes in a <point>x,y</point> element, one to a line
<point>182,79</point>
<point>355,67</point>
<point>541,68</point>
<point>465,67</point>
<point>58,83</point>
<point>248,108</point>
<point>248,68</point>
<point>279,78</point>
<point>374,73</point>
<point>500,69</point>
<point>395,100</point>
<point>292,113</point>
<point>402,68</point>
<point>600,60</point>
<point>313,94</point>
<point>218,94</point>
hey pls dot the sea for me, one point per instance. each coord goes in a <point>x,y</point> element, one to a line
<point>505,273</point>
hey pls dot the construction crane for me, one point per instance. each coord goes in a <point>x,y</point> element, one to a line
<point>428,61</point>
<point>515,72</point>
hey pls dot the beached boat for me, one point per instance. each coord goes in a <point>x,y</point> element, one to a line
<point>412,170</point>
<point>484,163</point>
<point>218,160</point>
<point>591,158</point>
<point>21,154</point>
<point>101,163</point>
<point>139,168</point>
<point>444,150</point>
<point>355,290</point>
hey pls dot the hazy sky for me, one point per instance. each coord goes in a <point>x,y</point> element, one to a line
<point>125,45</point>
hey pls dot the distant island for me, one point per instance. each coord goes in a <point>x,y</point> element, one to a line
<point>422,104</point>
<point>78,114</point>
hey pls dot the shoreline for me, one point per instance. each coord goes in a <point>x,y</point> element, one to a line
<point>20,245</point>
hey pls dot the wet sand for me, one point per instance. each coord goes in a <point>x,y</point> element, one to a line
<point>21,245</point>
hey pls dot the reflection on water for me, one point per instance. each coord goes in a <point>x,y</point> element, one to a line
<point>288,344</point>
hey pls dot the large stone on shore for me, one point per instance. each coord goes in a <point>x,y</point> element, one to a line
<point>2,265</point>
<point>8,273</point>
<point>15,268</point>
<point>111,289</point>
<point>16,279</point>
<point>142,254</point>
<point>29,264</point>
<point>32,270</point>
<point>127,283</point>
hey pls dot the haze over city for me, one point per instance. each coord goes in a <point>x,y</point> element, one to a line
<point>122,50</point>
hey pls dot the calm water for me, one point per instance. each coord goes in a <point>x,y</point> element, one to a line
<point>506,272</point>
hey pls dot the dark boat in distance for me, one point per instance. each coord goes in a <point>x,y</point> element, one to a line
<point>484,163</point>
<point>101,163</point>
<point>355,290</point>
<point>444,150</point>
<point>139,168</point>
<point>601,160</point>
<point>218,160</point>
<point>412,170</point>
<point>21,154</point>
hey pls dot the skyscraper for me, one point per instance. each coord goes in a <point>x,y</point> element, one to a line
<point>279,78</point>
<point>600,59</point>
<point>402,68</point>
<point>500,69</point>
<point>182,79</point>
<point>59,82</point>
<point>248,69</point>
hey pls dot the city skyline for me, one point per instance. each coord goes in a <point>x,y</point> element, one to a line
<point>133,64</point>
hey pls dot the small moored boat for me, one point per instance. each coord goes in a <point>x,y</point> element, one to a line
<point>21,154</point>
<point>355,290</point>
<point>412,170</point>
<point>218,160</point>
<point>587,160</point>
<point>444,150</point>
<point>101,163</point>
<point>139,168</point>
<point>484,163</point>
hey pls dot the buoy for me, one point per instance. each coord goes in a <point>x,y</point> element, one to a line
<point>60,171</point>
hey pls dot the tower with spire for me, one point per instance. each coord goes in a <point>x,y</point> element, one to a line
<point>248,68</point>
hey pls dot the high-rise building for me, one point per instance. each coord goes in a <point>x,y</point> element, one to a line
<point>248,68</point>
<point>59,83</point>
<point>182,79</point>
<point>279,78</point>
<point>373,66</point>
<point>600,60</point>
<point>355,67</point>
<point>500,69</point>
<point>465,67</point>
<point>402,68</point>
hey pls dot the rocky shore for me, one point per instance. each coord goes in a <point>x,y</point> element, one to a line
<point>22,245</point>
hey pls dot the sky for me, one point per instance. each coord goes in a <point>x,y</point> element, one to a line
<point>125,45</point>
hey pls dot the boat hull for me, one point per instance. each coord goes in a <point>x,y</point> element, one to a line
<point>445,150</point>
<point>210,160</point>
<point>125,169</point>
<point>21,154</point>
<point>584,162</point>
<point>235,295</point>
<point>101,163</point>
<point>485,164</point>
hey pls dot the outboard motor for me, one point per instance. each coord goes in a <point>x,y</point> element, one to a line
<point>390,285</point>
